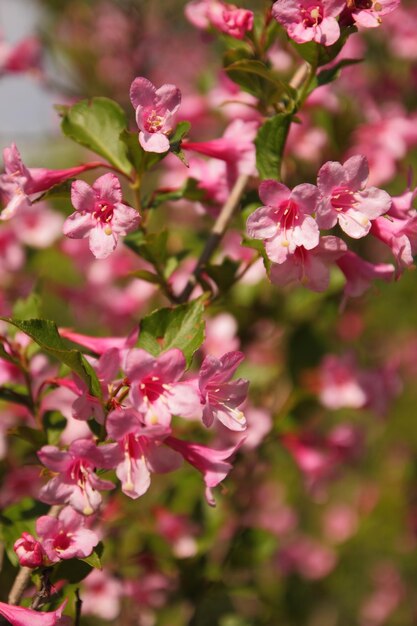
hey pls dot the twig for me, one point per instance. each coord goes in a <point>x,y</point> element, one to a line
<point>217,232</point>
<point>23,577</point>
<point>78,608</point>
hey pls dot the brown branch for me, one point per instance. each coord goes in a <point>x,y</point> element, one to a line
<point>216,234</point>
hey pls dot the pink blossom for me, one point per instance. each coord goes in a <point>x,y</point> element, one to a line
<point>19,616</point>
<point>340,383</point>
<point>368,13</point>
<point>23,57</point>
<point>100,345</point>
<point>76,482</point>
<point>101,216</point>
<point>178,531</point>
<point>29,551</point>
<point>140,451</point>
<point>361,274</point>
<point>65,537</point>
<point>236,148</point>
<point>220,396</point>
<point>221,334</point>
<point>340,522</point>
<point>211,463</point>
<point>285,223</point>
<point>101,595</point>
<point>310,20</point>
<point>227,18</point>
<point>309,267</point>
<point>156,390</point>
<point>154,111</point>
<point>344,198</point>
<point>400,235</point>
<point>308,557</point>
<point>18,184</point>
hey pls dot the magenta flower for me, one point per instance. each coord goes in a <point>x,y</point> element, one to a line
<point>310,20</point>
<point>155,388</point>
<point>76,482</point>
<point>101,216</point>
<point>19,183</point>
<point>360,274</point>
<point>29,551</point>
<point>285,223</point>
<point>309,267</point>
<point>344,198</point>
<point>19,616</point>
<point>369,13</point>
<point>140,451</point>
<point>25,56</point>
<point>227,18</point>
<point>220,396</point>
<point>400,235</point>
<point>213,464</point>
<point>155,109</point>
<point>65,537</point>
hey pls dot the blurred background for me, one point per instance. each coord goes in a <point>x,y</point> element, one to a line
<point>317,523</point>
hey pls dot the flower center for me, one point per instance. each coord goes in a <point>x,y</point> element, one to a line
<point>62,541</point>
<point>151,388</point>
<point>153,122</point>
<point>312,16</point>
<point>103,213</point>
<point>342,199</point>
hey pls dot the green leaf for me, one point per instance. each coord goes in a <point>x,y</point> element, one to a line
<point>189,191</point>
<point>260,81</point>
<point>46,335</point>
<point>27,308</point>
<point>328,76</point>
<point>94,558</point>
<point>9,395</point>
<point>19,518</point>
<point>151,247</point>
<point>54,423</point>
<point>35,437</point>
<point>179,327</point>
<point>97,124</point>
<point>142,161</point>
<point>270,143</point>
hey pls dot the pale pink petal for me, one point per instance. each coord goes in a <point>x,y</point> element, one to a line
<point>134,476</point>
<point>262,223</point>
<point>78,225</point>
<point>332,174</point>
<point>142,93</point>
<point>357,172</point>
<point>273,194</point>
<point>373,202</point>
<point>108,189</point>
<point>102,244</point>
<point>307,234</point>
<point>154,142</point>
<point>306,197</point>
<point>163,460</point>
<point>83,197</point>
<point>125,219</point>
<point>168,97</point>
<point>354,223</point>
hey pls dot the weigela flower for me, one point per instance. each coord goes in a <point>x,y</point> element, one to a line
<point>285,223</point>
<point>156,390</point>
<point>140,451</point>
<point>400,235</point>
<point>76,482</point>
<point>65,537</point>
<point>23,57</point>
<point>221,397</point>
<point>155,109</point>
<point>101,216</point>
<point>19,183</point>
<point>344,198</point>
<point>227,18</point>
<point>29,551</point>
<point>368,13</point>
<point>310,20</point>
<point>19,616</point>
<point>360,274</point>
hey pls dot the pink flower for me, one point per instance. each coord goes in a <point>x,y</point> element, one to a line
<point>236,148</point>
<point>101,216</point>
<point>178,531</point>
<point>19,616</point>
<point>140,451</point>
<point>285,223</point>
<point>23,57</point>
<point>76,483</point>
<point>155,388</point>
<point>344,198</point>
<point>65,537</point>
<point>227,18</point>
<point>211,463</point>
<point>369,13</point>
<point>19,183</point>
<point>29,551</point>
<point>101,595</point>
<point>220,396</point>
<point>360,274</point>
<point>340,383</point>
<point>154,111</point>
<point>400,235</point>
<point>309,267</point>
<point>310,20</point>
<point>309,558</point>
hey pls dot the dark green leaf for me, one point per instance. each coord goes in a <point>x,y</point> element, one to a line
<point>151,247</point>
<point>179,327</point>
<point>260,81</point>
<point>189,191</point>
<point>97,124</point>
<point>270,143</point>
<point>35,437</point>
<point>54,423</point>
<point>9,395</point>
<point>27,308</point>
<point>93,560</point>
<point>46,335</point>
<point>224,275</point>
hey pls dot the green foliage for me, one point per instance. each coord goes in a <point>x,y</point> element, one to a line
<point>97,124</point>
<point>270,144</point>
<point>179,327</point>
<point>259,80</point>
<point>27,308</point>
<point>327,76</point>
<point>188,191</point>
<point>316,54</point>
<point>224,275</point>
<point>46,335</point>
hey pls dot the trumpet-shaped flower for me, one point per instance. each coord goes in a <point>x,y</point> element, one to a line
<point>310,20</point>
<point>29,551</point>
<point>76,482</point>
<point>220,396</point>
<point>19,616</point>
<point>101,216</point>
<point>155,109</point>
<point>344,198</point>
<point>65,537</point>
<point>227,18</point>
<point>285,223</point>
